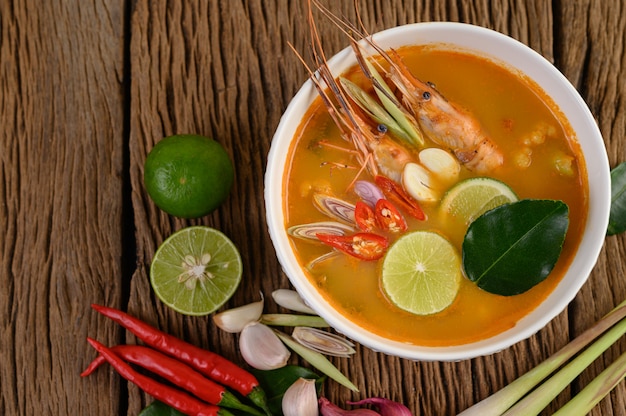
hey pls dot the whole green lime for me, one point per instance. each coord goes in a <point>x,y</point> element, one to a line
<point>188,175</point>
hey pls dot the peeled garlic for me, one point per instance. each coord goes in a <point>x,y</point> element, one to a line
<point>323,342</point>
<point>417,183</point>
<point>291,300</point>
<point>261,348</point>
<point>441,164</point>
<point>234,320</point>
<point>300,399</point>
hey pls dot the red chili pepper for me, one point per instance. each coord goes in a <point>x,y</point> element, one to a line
<point>389,218</point>
<point>364,246</point>
<point>397,194</point>
<point>176,372</point>
<point>171,396</point>
<point>364,216</point>
<point>208,363</point>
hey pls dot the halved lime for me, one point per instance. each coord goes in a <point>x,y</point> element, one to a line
<point>470,198</point>
<point>196,270</point>
<point>421,273</point>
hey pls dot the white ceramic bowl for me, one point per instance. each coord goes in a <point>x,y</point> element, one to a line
<point>515,55</point>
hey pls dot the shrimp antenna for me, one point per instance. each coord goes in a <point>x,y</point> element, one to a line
<point>350,30</point>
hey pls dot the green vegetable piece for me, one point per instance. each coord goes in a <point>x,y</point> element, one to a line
<point>157,408</point>
<point>511,248</point>
<point>374,110</point>
<point>317,360</point>
<point>617,217</point>
<point>276,382</point>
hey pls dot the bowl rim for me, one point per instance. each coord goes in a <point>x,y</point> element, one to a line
<point>515,56</point>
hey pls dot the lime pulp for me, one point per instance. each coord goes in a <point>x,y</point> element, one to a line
<point>196,270</point>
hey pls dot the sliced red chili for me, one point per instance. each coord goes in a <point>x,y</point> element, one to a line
<point>364,216</point>
<point>389,218</point>
<point>363,246</point>
<point>398,195</point>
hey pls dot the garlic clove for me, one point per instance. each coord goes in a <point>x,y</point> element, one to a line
<point>323,342</point>
<point>261,348</point>
<point>442,164</point>
<point>234,320</point>
<point>329,409</point>
<point>290,299</point>
<point>300,399</point>
<point>417,183</point>
<point>387,407</point>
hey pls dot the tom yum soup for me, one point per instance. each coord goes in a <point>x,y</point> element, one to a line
<point>439,207</point>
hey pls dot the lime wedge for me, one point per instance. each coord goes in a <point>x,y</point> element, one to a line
<point>421,273</point>
<point>196,270</point>
<point>469,199</point>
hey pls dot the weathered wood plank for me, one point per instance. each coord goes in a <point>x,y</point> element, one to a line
<point>61,150</point>
<point>592,39</point>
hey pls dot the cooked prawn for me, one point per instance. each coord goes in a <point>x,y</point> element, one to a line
<point>444,122</point>
<point>375,150</point>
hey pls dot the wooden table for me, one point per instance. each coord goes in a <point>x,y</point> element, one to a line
<point>88,87</point>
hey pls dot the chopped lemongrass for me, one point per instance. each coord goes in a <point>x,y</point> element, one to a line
<point>313,263</point>
<point>283,319</point>
<point>323,342</point>
<point>290,299</point>
<point>318,361</point>
<point>393,106</point>
<point>310,231</point>
<point>374,110</point>
<point>499,402</point>
<point>334,207</point>
<point>537,400</point>
<point>595,391</point>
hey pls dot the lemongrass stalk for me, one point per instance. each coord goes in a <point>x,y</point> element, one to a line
<point>393,106</point>
<point>499,402</point>
<point>595,391</point>
<point>317,360</point>
<point>285,319</point>
<point>374,110</point>
<point>541,397</point>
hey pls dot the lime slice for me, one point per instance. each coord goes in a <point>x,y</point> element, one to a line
<point>469,199</point>
<point>421,273</point>
<point>196,270</point>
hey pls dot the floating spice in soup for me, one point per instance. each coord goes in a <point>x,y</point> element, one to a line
<point>534,154</point>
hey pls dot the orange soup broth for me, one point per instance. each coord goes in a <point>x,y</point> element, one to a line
<point>511,108</point>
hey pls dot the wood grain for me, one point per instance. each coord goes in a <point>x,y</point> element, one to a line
<point>88,88</point>
<point>61,144</point>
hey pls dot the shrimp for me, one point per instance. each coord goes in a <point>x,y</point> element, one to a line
<point>445,123</point>
<point>375,150</point>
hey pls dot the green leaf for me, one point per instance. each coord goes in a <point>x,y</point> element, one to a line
<point>513,247</point>
<point>276,382</point>
<point>617,217</point>
<point>157,408</point>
